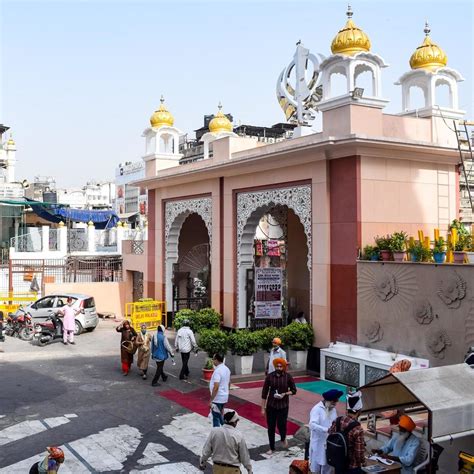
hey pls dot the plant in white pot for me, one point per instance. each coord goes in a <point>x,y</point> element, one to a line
<point>298,337</point>
<point>398,245</point>
<point>243,344</point>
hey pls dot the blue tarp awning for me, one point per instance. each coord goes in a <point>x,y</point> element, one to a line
<point>102,219</point>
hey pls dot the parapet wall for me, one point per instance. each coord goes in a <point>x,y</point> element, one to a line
<point>420,309</point>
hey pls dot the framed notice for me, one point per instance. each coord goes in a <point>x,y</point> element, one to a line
<point>268,292</point>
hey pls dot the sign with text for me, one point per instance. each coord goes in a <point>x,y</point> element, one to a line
<point>268,282</point>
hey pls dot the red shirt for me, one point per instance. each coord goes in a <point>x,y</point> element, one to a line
<point>356,443</point>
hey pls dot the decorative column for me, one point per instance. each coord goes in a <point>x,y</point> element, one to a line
<point>90,237</point>
<point>45,238</point>
<point>62,230</point>
<point>120,235</point>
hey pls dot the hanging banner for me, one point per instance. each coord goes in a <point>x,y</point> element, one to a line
<point>268,292</point>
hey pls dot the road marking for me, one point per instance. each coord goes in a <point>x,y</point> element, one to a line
<point>151,454</point>
<point>20,431</point>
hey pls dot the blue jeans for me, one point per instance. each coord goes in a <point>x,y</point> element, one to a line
<point>217,417</point>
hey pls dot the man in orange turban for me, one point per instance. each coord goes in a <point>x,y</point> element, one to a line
<point>402,447</point>
<point>277,389</point>
<point>276,353</point>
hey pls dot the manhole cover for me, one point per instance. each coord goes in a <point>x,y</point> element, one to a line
<point>89,387</point>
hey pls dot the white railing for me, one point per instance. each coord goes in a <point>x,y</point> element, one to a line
<point>32,241</point>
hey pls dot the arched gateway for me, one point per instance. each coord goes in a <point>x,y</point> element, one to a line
<point>250,208</point>
<point>176,212</point>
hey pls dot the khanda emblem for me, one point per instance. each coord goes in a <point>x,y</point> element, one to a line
<point>299,101</point>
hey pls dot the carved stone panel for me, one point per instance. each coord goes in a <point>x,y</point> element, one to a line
<point>342,371</point>
<point>437,343</point>
<point>374,373</point>
<point>452,290</point>
<point>423,312</point>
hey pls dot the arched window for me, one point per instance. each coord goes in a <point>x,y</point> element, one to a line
<point>364,78</point>
<point>337,82</point>
<point>443,94</point>
<point>417,99</point>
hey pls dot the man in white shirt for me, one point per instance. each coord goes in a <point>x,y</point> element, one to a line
<point>276,353</point>
<point>184,343</point>
<point>219,387</point>
<point>227,448</point>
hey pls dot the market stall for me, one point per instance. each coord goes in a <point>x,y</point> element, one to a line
<point>440,398</point>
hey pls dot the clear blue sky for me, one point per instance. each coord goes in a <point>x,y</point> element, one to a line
<point>79,80</point>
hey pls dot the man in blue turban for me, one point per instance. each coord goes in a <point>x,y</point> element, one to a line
<point>321,418</point>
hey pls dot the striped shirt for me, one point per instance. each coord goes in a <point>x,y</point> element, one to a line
<point>356,443</point>
<point>185,341</point>
<point>281,384</point>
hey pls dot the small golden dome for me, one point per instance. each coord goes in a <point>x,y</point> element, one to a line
<point>10,141</point>
<point>351,39</point>
<point>429,55</point>
<point>220,123</point>
<point>162,116</point>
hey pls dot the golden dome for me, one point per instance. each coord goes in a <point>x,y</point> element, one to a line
<point>429,55</point>
<point>220,123</point>
<point>10,141</point>
<point>351,39</point>
<point>161,117</point>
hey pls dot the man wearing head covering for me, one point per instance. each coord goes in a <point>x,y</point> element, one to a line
<point>51,463</point>
<point>227,448</point>
<point>160,351</point>
<point>276,353</point>
<point>320,420</point>
<point>278,387</point>
<point>355,436</point>
<point>402,447</point>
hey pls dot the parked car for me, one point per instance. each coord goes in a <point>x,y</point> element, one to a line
<point>48,305</point>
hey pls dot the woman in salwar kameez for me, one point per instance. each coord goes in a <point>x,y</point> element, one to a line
<point>143,341</point>
<point>128,335</point>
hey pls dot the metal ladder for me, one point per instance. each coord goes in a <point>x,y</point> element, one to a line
<point>465,153</point>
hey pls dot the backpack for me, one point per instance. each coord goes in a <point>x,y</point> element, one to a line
<point>337,445</point>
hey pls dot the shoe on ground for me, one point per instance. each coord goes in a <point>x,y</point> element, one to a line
<point>144,377</point>
<point>65,343</point>
<point>269,452</point>
<point>155,384</point>
<point>72,343</point>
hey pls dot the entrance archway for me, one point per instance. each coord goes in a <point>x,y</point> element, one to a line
<point>251,206</point>
<point>176,213</point>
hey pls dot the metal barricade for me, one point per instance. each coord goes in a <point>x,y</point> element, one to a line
<point>9,303</point>
<point>145,311</point>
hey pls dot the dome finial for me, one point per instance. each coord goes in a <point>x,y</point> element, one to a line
<point>349,12</point>
<point>162,116</point>
<point>427,28</point>
<point>220,123</point>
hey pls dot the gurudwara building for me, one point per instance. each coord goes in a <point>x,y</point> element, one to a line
<point>287,220</point>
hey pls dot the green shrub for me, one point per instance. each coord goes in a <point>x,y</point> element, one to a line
<point>244,342</point>
<point>439,246</point>
<point>214,341</point>
<point>419,253</point>
<point>298,337</point>
<point>208,318</point>
<point>266,336</point>
<point>398,241</point>
<point>383,243</point>
<point>208,365</point>
<point>185,314</point>
<point>370,251</point>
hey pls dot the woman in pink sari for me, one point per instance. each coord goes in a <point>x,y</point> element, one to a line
<point>69,321</point>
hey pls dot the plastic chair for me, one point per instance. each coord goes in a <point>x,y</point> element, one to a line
<point>423,457</point>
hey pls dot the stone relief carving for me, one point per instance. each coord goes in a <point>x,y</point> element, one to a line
<point>374,332</point>
<point>201,206</point>
<point>386,286</point>
<point>437,342</point>
<point>469,326</point>
<point>423,312</point>
<point>297,198</point>
<point>452,290</point>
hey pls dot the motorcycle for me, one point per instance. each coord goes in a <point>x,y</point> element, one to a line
<point>20,324</point>
<point>45,332</point>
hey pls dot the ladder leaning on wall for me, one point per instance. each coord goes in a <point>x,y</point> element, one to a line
<point>465,147</point>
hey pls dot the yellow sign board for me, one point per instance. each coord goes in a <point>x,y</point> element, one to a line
<point>146,311</point>
<point>9,303</point>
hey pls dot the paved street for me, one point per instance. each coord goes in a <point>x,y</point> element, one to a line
<point>76,397</point>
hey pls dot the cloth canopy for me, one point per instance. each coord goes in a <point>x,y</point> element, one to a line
<point>102,219</point>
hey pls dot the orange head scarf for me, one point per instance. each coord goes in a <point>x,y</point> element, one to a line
<point>281,361</point>
<point>400,366</point>
<point>407,423</point>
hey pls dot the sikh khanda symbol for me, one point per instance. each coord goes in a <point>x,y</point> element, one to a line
<point>299,101</point>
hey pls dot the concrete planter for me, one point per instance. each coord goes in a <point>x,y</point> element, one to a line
<point>298,359</point>
<point>399,256</point>
<point>458,256</point>
<point>243,364</point>
<point>470,257</point>
<point>266,358</point>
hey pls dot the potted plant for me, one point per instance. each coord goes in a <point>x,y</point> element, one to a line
<point>398,245</point>
<point>371,253</point>
<point>299,338</point>
<point>185,315</point>
<point>463,242</point>
<point>265,337</point>
<point>419,253</point>
<point>243,344</point>
<point>383,244</point>
<point>470,252</point>
<point>207,318</point>
<point>439,250</point>
<point>208,370</point>
<point>213,341</point>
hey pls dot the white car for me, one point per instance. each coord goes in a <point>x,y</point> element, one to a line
<point>87,318</point>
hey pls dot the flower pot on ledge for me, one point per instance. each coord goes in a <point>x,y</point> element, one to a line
<point>470,257</point>
<point>439,257</point>
<point>458,257</point>
<point>386,255</point>
<point>399,256</point>
<point>298,359</point>
<point>243,364</point>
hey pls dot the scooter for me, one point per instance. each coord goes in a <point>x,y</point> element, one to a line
<point>47,331</point>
